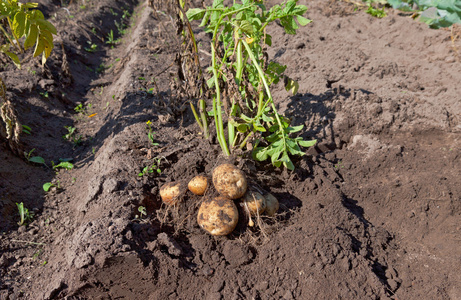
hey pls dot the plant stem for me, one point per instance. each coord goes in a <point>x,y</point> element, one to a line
<point>196,116</point>
<point>203,115</point>
<point>230,127</point>
<point>7,36</point>
<point>217,106</point>
<point>263,78</point>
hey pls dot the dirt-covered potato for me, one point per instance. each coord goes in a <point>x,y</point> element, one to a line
<point>218,215</point>
<point>254,203</point>
<point>272,204</point>
<point>229,181</point>
<point>198,185</point>
<point>171,192</point>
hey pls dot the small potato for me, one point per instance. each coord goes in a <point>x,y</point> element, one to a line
<point>272,204</point>
<point>229,181</point>
<point>218,215</point>
<point>198,185</point>
<point>254,202</point>
<point>170,192</point>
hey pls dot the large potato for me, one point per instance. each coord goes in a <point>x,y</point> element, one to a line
<point>198,185</point>
<point>254,202</point>
<point>229,181</point>
<point>218,215</point>
<point>171,192</point>
<point>272,204</point>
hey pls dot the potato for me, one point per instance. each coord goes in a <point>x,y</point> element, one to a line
<point>272,204</point>
<point>218,215</point>
<point>254,202</point>
<point>171,192</point>
<point>198,185</point>
<point>229,181</point>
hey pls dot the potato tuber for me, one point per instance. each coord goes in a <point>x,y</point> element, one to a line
<point>218,215</point>
<point>198,185</point>
<point>229,181</point>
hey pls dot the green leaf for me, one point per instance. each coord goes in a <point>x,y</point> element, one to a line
<point>291,85</point>
<point>205,19</point>
<point>195,14</point>
<point>289,164</point>
<point>47,186</point>
<point>246,27</point>
<point>294,128</point>
<point>31,37</point>
<point>303,21</point>
<point>259,127</point>
<point>37,160</point>
<point>307,143</point>
<point>36,15</point>
<point>210,82</point>
<point>260,154</point>
<point>268,40</point>
<point>39,47</point>
<point>64,165</point>
<point>242,128</point>
<point>19,24</point>
<point>14,58</point>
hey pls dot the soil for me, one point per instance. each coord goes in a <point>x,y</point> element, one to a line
<point>373,211</point>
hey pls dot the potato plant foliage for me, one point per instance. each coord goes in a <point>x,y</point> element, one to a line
<point>435,13</point>
<point>241,76</point>
<point>21,22</point>
<point>25,21</point>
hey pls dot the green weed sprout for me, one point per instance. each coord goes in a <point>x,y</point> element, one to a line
<point>24,214</point>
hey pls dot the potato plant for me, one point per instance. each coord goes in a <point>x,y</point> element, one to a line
<point>241,77</point>
<point>21,20</point>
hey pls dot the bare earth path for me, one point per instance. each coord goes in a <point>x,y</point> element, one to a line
<point>372,212</point>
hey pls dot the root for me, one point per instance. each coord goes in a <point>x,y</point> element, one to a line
<point>10,128</point>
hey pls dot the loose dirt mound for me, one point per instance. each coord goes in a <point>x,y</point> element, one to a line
<point>372,212</point>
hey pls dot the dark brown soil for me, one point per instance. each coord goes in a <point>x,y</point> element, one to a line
<point>372,212</point>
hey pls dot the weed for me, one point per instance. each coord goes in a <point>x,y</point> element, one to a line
<point>48,185</point>
<point>142,212</point>
<point>339,165</point>
<point>113,12</point>
<point>101,68</point>
<point>92,47</point>
<point>150,133</point>
<point>71,135</point>
<point>111,39</point>
<point>83,110</point>
<point>63,164</point>
<point>34,159</point>
<point>26,129</point>
<point>24,214</point>
<point>44,94</point>
<point>121,27</point>
<point>154,166</point>
<point>37,254</point>
<point>378,13</point>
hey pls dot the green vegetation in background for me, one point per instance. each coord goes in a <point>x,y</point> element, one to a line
<point>435,13</point>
